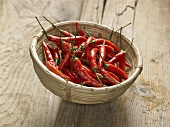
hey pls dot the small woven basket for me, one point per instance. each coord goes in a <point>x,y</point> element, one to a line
<point>75,92</point>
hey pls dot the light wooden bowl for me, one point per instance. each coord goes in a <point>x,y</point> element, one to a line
<point>74,92</point>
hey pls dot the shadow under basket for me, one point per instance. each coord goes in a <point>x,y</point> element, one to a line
<point>75,92</point>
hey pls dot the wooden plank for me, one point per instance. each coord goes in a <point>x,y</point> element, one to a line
<point>146,103</point>
<point>152,37</point>
<point>23,100</point>
<point>119,13</point>
<point>92,10</point>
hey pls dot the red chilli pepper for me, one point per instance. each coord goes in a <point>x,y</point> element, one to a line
<point>72,75</point>
<point>86,47</point>
<point>48,55</point>
<point>117,57</point>
<point>107,42</point>
<point>84,61</point>
<point>110,55</point>
<point>92,74</point>
<point>122,62</point>
<point>116,70</point>
<point>57,39</point>
<point>92,59</point>
<point>114,76</point>
<point>121,58</point>
<point>56,71</point>
<point>54,54</point>
<point>128,65</point>
<point>109,49</point>
<point>109,77</point>
<point>65,61</point>
<point>102,51</point>
<point>65,46</point>
<point>78,67</point>
<point>65,33</point>
<point>79,29</point>
<point>79,53</point>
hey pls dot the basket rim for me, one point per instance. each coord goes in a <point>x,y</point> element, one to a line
<point>34,56</point>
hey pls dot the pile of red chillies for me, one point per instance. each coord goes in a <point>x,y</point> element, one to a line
<point>86,60</point>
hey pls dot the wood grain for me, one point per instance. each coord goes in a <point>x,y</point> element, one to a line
<point>147,100</point>
<point>25,102</point>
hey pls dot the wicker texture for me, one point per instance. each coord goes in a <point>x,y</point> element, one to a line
<point>74,92</point>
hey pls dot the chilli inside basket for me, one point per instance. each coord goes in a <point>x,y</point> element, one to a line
<point>85,59</point>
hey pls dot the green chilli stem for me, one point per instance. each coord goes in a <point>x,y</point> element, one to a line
<point>98,77</point>
<point>120,35</point>
<point>60,56</point>
<point>118,30</point>
<point>87,33</point>
<point>53,25</point>
<point>111,34</point>
<point>123,27</point>
<point>46,34</point>
<point>129,45</point>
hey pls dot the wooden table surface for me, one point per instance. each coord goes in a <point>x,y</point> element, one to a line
<point>24,102</point>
